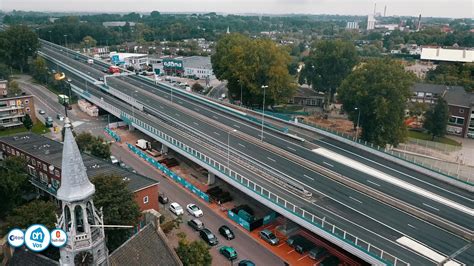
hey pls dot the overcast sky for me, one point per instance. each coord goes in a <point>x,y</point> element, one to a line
<point>433,8</point>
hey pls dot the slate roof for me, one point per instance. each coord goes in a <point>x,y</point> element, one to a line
<point>147,247</point>
<point>22,257</point>
<point>454,95</point>
<point>50,151</point>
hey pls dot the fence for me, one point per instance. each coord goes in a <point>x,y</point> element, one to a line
<point>183,182</point>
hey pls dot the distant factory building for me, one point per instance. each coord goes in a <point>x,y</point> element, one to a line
<point>352,25</point>
<point>371,22</point>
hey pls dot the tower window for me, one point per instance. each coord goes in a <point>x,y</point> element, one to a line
<point>78,213</point>
<point>145,199</point>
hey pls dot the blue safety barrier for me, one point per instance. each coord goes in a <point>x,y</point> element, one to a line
<point>169,173</point>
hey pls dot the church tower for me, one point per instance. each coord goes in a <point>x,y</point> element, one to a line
<point>80,220</point>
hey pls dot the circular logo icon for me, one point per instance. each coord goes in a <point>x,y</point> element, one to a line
<point>58,237</point>
<point>37,237</point>
<point>16,237</point>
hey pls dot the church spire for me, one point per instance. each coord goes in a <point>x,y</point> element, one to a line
<point>75,184</point>
<point>228,31</point>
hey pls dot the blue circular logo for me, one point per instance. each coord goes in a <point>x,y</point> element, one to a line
<point>16,237</point>
<point>37,237</point>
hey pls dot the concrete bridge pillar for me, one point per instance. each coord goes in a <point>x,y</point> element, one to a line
<point>211,178</point>
<point>164,149</point>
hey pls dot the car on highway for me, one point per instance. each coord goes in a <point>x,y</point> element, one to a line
<point>194,210</point>
<point>163,199</point>
<point>176,208</point>
<point>269,237</point>
<point>228,252</point>
<point>113,159</point>
<point>41,112</point>
<point>208,237</point>
<point>246,263</point>
<point>196,224</point>
<point>226,232</point>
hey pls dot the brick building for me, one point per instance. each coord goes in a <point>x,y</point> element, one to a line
<point>44,157</point>
<point>13,108</point>
<point>460,102</point>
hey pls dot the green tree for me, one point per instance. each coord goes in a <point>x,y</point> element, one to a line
<point>13,88</point>
<point>193,253</point>
<point>251,64</point>
<point>328,64</point>
<point>436,119</point>
<point>94,145</point>
<point>34,212</point>
<point>4,72</point>
<point>378,89</point>
<point>118,205</point>
<point>197,87</point>
<point>27,122</point>
<point>14,183</point>
<point>453,75</point>
<point>19,43</point>
<point>88,42</point>
<point>39,69</point>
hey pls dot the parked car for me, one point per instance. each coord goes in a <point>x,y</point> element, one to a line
<point>41,112</point>
<point>194,210</point>
<point>317,253</point>
<point>226,232</point>
<point>208,237</point>
<point>49,121</point>
<point>114,160</point>
<point>269,237</point>
<point>196,224</point>
<point>60,117</point>
<point>228,252</point>
<point>293,240</point>
<point>176,208</point>
<point>330,261</point>
<point>163,199</point>
<point>246,263</point>
<point>304,245</point>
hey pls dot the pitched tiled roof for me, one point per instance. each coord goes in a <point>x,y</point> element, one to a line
<point>147,247</point>
<point>22,257</point>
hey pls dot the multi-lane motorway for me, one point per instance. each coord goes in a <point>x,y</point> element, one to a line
<point>360,214</point>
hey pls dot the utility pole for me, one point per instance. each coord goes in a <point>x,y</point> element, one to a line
<point>263,108</point>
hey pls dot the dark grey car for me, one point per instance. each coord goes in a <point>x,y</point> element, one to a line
<point>196,224</point>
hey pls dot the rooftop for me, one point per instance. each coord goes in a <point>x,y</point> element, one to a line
<point>197,62</point>
<point>454,95</point>
<point>305,91</point>
<point>22,256</point>
<point>50,151</point>
<point>148,247</point>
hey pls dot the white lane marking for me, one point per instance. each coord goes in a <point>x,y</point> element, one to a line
<point>308,177</point>
<point>217,133</point>
<point>196,123</point>
<point>397,171</point>
<point>281,244</point>
<point>215,117</point>
<point>425,251</point>
<point>303,257</point>
<point>429,206</point>
<point>180,102</point>
<point>354,199</point>
<point>411,226</point>
<point>290,148</point>
<point>291,251</point>
<point>196,109</point>
<point>373,183</point>
<point>242,145</point>
<point>237,126</point>
<point>392,180</point>
<point>177,114</point>
<point>273,160</point>
<point>328,164</point>
<point>161,106</point>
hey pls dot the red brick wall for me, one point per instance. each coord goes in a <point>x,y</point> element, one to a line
<point>152,193</point>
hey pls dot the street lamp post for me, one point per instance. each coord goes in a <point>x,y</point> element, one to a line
<point>240,82</point>
<point>65,42</point>
<point>228,147</point>
<point>358,119</point>
<point>263,108</point>
<point>133,100</point>
<point>50,38</point>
